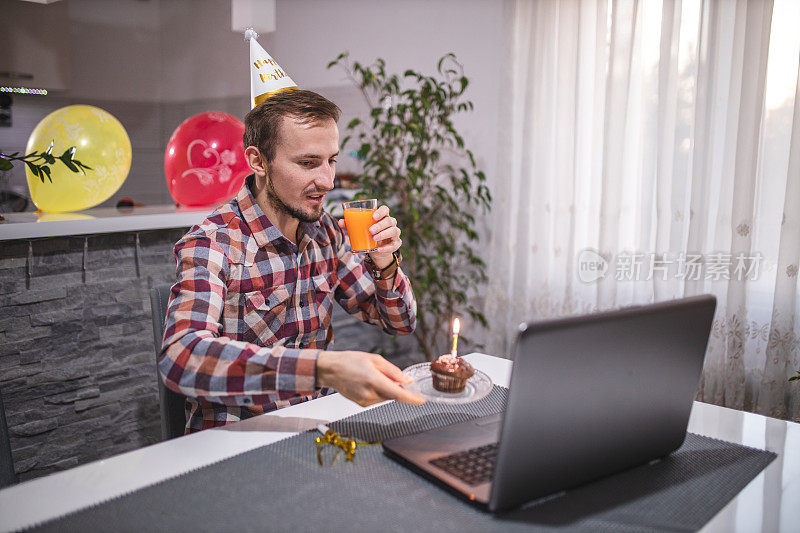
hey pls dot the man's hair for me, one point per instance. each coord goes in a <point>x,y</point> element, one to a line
<point>262,123</point>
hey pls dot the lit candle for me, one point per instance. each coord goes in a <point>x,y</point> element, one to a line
<point>456,329</point>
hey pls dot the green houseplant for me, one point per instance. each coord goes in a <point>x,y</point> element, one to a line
<point>39,163</point>
<point>416,162</point>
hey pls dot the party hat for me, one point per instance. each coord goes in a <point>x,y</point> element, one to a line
<point>267,78</point>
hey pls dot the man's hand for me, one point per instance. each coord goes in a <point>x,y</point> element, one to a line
<point>365,378</point>
<point>386,234</point>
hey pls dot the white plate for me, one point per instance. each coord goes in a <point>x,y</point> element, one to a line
<point>478,386</point>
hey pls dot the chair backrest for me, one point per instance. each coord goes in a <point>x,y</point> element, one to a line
<point>7,475</point>
<point>173,405</point>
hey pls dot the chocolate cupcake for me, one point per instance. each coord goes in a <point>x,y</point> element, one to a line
<point>450,374</point>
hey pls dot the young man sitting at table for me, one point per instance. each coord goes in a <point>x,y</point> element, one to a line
<point>249,319</point>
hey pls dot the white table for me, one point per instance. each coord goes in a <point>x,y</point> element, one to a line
<point>771,502</point>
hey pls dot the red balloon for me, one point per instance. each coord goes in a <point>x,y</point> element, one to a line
<point>204,161</point>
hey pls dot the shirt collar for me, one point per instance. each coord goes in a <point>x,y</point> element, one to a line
<point>262,229</point>
<point>264,232</point>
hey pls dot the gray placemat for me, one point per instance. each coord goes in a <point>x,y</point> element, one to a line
<point>281,487</point>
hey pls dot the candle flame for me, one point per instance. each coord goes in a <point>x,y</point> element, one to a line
<point>456,329</point>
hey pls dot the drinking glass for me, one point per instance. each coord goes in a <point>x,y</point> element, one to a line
<point>357,220</point>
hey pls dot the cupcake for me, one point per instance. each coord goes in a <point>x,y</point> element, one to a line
<point>450,374</point>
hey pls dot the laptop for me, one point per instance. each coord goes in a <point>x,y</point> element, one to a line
<point>589,396</point>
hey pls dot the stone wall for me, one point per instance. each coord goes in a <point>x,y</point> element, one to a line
<point>76,346</point>
<point>77,366</point>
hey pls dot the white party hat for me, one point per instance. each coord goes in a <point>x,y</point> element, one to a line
<point>266,76</point>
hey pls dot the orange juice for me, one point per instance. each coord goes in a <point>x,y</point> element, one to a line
<point>358,222</point>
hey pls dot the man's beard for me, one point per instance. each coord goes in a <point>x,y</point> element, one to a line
<point>280,205</point>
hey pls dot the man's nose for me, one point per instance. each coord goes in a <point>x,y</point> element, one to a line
<point>325,176</point>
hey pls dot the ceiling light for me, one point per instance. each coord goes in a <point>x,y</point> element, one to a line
<point>23,90</point>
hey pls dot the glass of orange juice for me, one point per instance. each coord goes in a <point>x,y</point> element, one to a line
<point>357,220</point>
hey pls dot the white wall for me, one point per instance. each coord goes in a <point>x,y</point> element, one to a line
<point>407,34</point>
<point>115,49</point>
<point>182,57</point>
<point>202,58</point>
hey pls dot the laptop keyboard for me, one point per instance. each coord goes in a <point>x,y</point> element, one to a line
<point>473,466</point>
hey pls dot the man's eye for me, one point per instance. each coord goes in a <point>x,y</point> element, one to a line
<point>333,161</point>
<point>306,163</point>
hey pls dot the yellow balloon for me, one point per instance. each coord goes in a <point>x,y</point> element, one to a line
<point>100,142</point>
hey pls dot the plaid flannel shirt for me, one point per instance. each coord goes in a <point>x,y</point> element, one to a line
<point>251,311</point>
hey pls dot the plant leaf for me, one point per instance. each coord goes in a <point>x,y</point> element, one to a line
<point>33,168</point>
<point>46,171</point>
<point>68,163</point>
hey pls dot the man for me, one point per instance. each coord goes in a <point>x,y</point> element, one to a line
<point>249,319</point>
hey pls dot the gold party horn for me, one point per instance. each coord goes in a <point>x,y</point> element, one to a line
<point>344,443</point>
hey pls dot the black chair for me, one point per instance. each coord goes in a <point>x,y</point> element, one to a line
<point>173,405</point>
<point>7,475</point>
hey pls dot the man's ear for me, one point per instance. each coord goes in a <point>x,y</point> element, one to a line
<point>255,161</point>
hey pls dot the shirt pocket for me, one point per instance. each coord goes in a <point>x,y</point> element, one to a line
<point>264,314</point>
<point>323,286</point>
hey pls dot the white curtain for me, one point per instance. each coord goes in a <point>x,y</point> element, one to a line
<point>659,140</point>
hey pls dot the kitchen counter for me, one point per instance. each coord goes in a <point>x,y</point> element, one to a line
<point>99,220</point>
